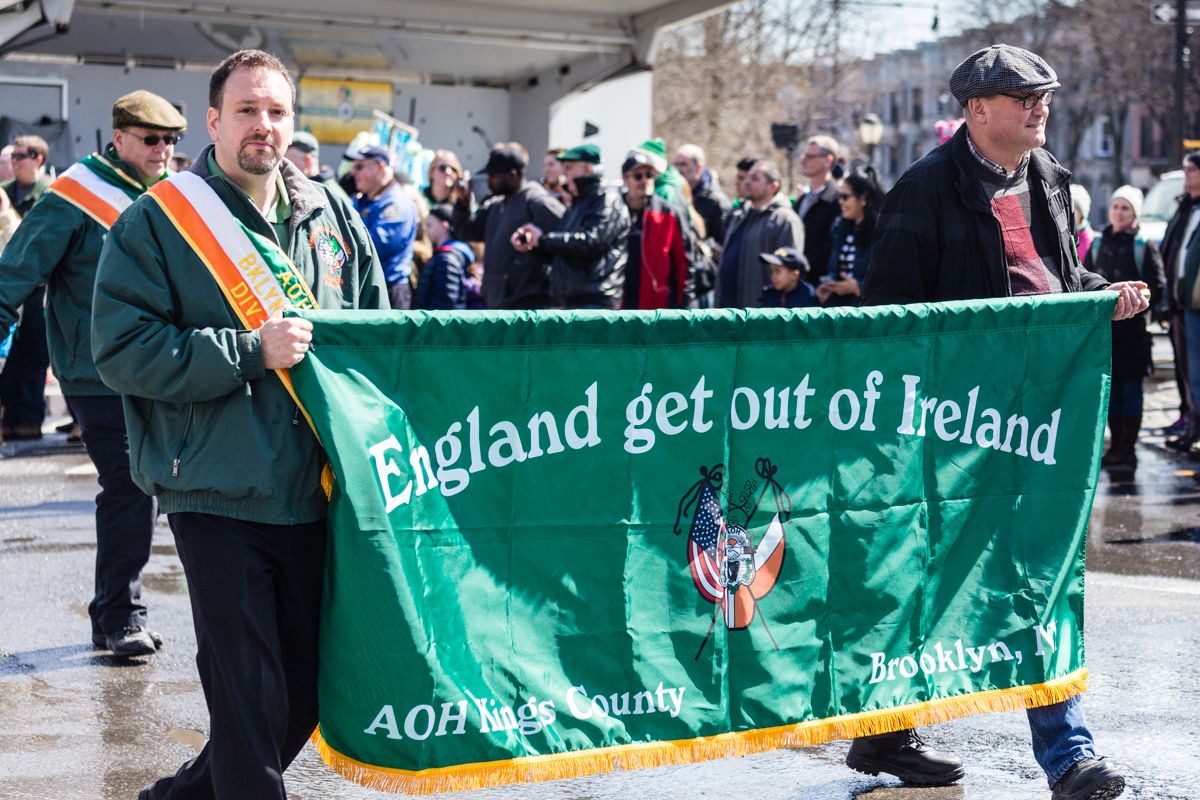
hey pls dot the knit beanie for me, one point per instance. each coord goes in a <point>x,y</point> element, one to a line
<point>1081,200</point>
<point>655,151</point>
<point>1130,195</point>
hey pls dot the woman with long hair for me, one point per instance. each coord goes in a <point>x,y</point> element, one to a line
<point>860,198</point>
<point>450,184</point>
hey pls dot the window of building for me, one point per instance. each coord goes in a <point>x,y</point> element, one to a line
<point>1104,137</point>
<point>918,101</point>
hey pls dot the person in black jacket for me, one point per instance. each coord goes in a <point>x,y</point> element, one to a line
<point>818,207</point>
<point>1122,253</point>
<point>988,214</point>
<point>1180,230</point>
<point>590,247</point>
<point>707,198</point>
<point>861,199</point>
<point>512,279</point>
<point>447,281</point>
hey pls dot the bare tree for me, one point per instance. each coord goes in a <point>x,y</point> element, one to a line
<point>722,81</point>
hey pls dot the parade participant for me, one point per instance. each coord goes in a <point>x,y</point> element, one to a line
<point>1177,241</point>
<point>30,181</point>
<point>818,207</point>
<point>707,198</point>
<point>23,379</point>
<point>200,353</point>
<point>788,288</point>
<point>1123,253</point>
<point>860,198</point>
<point>589,248</point>
<point>988,214</point>
<point>58,244</point>
<point>513,279</point>
<point>656,273</point>
<point>765,224</point>
<point>449,280</point>
<point>305,153</point>
<point>391,218</point>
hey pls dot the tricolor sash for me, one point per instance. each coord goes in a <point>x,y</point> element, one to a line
<point>257,278</point>
<point>98,188</point>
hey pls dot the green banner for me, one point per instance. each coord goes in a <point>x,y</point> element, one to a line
<point>564,543</point>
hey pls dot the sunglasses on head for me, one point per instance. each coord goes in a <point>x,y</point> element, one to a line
<point>153,139</point>
<point>19,156</point>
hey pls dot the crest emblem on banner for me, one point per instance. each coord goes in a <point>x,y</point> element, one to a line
<point>727,567</point>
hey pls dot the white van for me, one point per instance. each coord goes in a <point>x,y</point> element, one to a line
<point>1160,204</point>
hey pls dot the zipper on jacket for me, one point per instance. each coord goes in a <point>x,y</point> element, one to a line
<point>296,417</point>
<point>187,429</point>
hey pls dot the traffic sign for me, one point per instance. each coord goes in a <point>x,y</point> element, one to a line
<point>1164,13</point>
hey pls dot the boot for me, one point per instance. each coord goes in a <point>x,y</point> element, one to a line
<point>1133,428</point>
<point>1183,443</point>
<point>906,756</point>
<point>1116,437</point>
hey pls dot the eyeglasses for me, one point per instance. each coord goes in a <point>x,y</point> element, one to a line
<point>18,156</point>
<point>153,139</point>
<point>1030,101</point>
<point>642,176</point>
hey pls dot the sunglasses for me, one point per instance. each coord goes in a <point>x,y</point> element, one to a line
<point>18,156</point>
<point>642,176</point>
<point>153,139</point>
<point>449,168</point>
<point>845,196</point>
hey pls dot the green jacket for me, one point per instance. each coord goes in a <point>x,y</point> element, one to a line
<point>58,245</point>
<point>210,430</point>
<point>30,200</point>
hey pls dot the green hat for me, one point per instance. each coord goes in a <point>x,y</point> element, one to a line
<point>582,152</point>
<point>655,153</point>
<point>146,110</point>
<point>303,140</point>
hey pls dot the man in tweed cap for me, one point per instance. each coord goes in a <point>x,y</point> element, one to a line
<point>986,215</point>
<point>58,245</point>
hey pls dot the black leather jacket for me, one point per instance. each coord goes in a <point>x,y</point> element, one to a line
<point>589,249</point>
<point>937,239</point>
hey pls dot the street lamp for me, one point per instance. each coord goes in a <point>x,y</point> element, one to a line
<point>870,133</point>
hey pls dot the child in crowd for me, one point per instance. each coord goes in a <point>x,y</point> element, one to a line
<point>788,288</point>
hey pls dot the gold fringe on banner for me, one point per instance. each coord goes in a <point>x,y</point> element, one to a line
<point>581,763</point>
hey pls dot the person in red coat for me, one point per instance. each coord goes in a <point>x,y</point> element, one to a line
<point>657,270</point>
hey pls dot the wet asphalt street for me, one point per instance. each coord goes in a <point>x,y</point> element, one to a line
<point>78,725</point>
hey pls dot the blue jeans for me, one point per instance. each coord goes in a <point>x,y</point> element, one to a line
<point>1060,737</point>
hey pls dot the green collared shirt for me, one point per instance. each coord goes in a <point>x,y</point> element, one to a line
<point>280,214</point>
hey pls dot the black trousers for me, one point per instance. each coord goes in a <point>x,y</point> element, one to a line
<point>256,598</point>
<point>23,381</point>
<point>125,518</point>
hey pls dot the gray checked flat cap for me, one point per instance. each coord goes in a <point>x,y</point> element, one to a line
<point>1001,69</point>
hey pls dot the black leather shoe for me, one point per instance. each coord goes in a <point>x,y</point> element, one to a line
<point>131,642</point>
<point>906,756</point>
<point>1090,779</point>
<point>100,641</point>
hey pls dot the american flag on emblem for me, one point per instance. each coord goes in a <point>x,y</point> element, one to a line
<point>704,546</point>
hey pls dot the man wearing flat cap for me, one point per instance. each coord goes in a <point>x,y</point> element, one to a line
<point>589,248</point>
<point>511,279</point>
<point>58,244</point>
<point>305,153</point>
<point>988,214</point>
